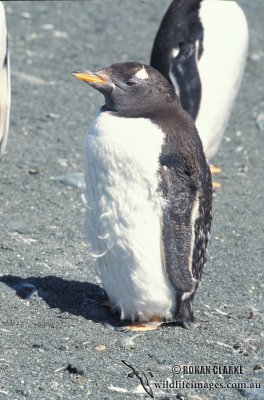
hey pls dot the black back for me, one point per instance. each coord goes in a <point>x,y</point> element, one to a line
<point>181,29</point>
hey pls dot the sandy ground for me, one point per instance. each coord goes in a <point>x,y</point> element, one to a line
<point>56,341</point>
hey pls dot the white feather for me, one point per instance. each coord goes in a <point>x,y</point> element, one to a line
<point>142,74</point>
<point>5,92</point>
<point>194,215</point>
<point>186,295</point>
<point>221,68</point>
<point>122,189</point>
<point>174,52</point>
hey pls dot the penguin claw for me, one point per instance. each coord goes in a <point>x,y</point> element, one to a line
<point>216,185</point>
<point>186,322</point>
<point>214,169</point>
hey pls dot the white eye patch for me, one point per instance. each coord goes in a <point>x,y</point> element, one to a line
<point>142,74</point>
<point>174,52</point>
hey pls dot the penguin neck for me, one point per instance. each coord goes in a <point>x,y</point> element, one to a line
<point>160,111</point>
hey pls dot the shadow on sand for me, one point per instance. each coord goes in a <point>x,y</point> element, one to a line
<point>78,298</point>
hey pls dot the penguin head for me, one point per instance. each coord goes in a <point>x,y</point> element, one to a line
<point>130,89</point>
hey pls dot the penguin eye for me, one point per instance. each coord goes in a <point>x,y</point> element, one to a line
<point>130,83</point>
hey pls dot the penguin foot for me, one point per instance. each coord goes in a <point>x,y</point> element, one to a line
<point>216,185</point>
<point>215,170</point>
<point>152,325</point>
<point>187,323</point>
<point>184,315</point>
<point>140,327</point>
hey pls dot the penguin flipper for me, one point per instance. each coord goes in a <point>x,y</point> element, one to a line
<point>184,75</point>
<point>178,233</point>
<point>184,218</point>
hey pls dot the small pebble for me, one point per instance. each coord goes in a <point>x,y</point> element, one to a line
<point>62,162</point>
<point>258,367</point>
<point>128,342</point>
<point>73,180</point>
<point>252,394</point>
<point>100,347</point>
<point>52,116</point>
<point>60,34</point>
<point>33,171</point>
<point>260,121</point>
<point>26,15</point>
<point>256,56</point>
<point>47,27</point>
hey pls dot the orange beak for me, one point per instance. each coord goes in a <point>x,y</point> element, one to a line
<point>89,77</point>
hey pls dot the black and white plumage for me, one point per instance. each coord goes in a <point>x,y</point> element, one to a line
<point>149,195</point>
<point>201,48</point>
<point>5,91</point>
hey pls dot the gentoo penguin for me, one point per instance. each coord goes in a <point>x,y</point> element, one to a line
<point>5,92</point>
<point>201,48</point>
<point>149,196</point>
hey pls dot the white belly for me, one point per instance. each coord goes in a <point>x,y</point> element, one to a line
<point>5,91</point>
<point>2,34</point>
<point>124,214</point>
<point>221,68</point>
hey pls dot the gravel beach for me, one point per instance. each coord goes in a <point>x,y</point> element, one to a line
<point>56,341</point>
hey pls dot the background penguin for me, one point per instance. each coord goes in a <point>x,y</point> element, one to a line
<point>149,196</point>
<point>5,90</point>
<point>201,48</point>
